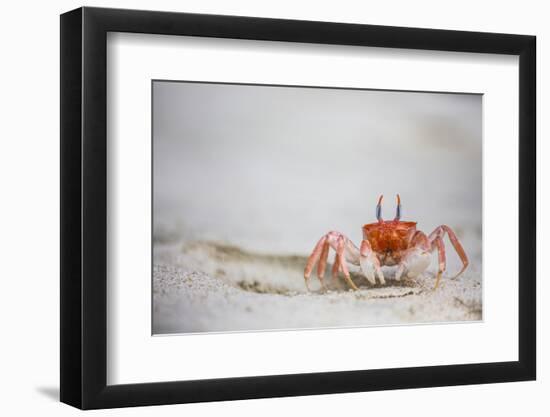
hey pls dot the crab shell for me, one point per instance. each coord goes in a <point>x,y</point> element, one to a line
<point>389,239</point>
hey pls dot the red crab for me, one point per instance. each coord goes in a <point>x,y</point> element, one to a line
<point>385,243</point>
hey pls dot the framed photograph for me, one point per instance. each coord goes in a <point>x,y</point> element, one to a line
<point>257,207</point>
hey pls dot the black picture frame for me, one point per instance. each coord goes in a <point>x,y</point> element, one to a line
<point>84,207</point>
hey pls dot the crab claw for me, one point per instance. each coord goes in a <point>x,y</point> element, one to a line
<point>370,266</point>
<point>416,262</point>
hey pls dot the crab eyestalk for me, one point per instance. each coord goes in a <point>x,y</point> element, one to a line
<point>398,209</point>
<point>379,209</point>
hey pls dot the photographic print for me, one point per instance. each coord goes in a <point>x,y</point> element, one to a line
<point>300,207</point>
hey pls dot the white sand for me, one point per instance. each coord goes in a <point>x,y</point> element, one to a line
<point>206,287</point>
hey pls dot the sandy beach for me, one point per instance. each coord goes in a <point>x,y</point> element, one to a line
<point>246,179</point>
<point>207,287</point>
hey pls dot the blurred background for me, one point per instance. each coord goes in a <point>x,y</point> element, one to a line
<point>270,169</point>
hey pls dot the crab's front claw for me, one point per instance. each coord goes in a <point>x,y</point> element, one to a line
<point>415,262</point>
<point>370,266</point>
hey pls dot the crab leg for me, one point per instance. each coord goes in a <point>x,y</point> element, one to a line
<point>321,267</point>
<point>439,232</point>
<point>420,239</point>
<point>313,258</point>
<point>340,253</point>
<point>346,251</point>
<point>438,242</point>
<point>399,272</point>
<point>335,267</point>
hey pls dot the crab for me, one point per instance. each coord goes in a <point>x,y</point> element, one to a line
<point>385,243</point>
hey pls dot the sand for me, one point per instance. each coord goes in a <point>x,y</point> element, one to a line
<point>211,287</point>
